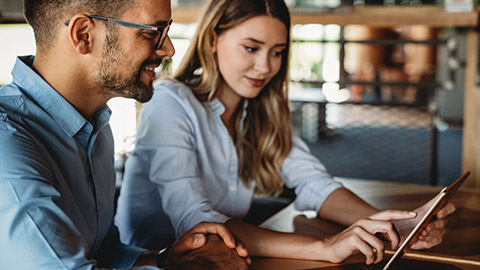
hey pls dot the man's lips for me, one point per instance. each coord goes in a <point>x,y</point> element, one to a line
<point>149,70</point>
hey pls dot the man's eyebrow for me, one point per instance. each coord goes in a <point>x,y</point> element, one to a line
<point>263,43</point>
<point>160,23</point>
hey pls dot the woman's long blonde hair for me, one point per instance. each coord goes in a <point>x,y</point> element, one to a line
<point>265,141</point>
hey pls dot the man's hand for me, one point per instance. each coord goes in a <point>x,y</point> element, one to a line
<point>197,237</point>
<point>433,233</point>
<point>213,254</point>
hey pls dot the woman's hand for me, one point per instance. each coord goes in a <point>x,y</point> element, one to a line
<point>361,237</point>
<point>433,233</point>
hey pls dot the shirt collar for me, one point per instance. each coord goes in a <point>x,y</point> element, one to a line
<point>66,116</point>
<point>217,107</point>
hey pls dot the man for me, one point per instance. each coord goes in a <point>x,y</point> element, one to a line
<point>57,179</point>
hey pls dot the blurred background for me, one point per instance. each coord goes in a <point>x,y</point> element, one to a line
<point>379,101</point>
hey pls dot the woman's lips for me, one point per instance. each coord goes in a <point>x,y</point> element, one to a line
<point>255,82</point>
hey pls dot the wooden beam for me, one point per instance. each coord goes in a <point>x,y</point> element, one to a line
<point>471,122</point>
<point>388,16</point>
<point>379,16</point>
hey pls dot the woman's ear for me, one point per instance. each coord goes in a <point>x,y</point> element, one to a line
<point>80,33</point>
<point>214,42</point>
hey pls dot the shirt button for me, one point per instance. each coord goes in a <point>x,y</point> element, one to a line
<point>99,207</point>
<point>233,188</point>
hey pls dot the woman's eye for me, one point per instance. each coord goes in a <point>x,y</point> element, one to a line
<point>278,53</point>
<point>250,49</point>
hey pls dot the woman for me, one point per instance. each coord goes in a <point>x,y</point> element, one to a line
<point>219,132</point>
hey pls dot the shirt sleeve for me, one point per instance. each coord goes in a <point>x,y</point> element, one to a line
<point>35,231</point>
<point>115,254</point>
<point>168,144</point>
<point>311,181</point>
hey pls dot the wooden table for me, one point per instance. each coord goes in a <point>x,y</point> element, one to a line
<point>460,248</point>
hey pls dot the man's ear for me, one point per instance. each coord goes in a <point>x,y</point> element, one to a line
<point>80,32</point>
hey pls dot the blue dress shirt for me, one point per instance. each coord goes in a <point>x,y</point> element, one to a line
<point>184,170</point>
<point>57,181</point>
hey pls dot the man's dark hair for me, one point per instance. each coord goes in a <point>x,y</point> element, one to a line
<point>46,16</point>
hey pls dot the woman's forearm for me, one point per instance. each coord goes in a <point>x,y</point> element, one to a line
<point>268,243</point>
<point>344,207</point>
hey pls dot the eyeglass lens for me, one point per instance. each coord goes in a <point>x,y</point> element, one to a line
<point>162,37</point>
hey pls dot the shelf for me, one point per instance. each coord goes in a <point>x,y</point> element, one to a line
<point>379,16</point>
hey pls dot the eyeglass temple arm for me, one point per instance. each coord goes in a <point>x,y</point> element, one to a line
<point>146,27</point>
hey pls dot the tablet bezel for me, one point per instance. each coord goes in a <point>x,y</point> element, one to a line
<point>443,197</point>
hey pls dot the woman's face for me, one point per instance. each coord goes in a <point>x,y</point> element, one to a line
<point>249,55</point>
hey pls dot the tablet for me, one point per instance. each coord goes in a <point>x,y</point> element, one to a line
<point>442,198</point>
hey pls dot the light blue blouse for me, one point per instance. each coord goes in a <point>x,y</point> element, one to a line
<point>184,170</point>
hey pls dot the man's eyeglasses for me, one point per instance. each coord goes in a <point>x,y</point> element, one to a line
<point>162,31</point>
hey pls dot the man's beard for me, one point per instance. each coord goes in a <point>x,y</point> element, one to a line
<point>110,82</point>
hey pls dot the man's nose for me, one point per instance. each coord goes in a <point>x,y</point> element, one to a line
<point>167,49</point>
